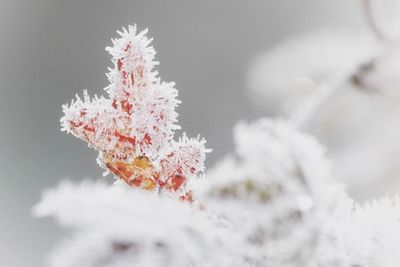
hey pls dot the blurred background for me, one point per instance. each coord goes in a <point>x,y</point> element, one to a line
<point>52,49</point>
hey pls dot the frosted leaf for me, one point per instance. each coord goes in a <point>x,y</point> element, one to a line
<point>93,121</point>
<point>133,60</point>
<point>186,157</point>
<point>133,129</point>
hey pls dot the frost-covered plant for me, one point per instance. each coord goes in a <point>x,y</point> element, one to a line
<point>271,203</point>
<point>117,226</point>
<point>372,237</point>
<point>133,128</point>
<point>275,192</point>
<point>362,235</point>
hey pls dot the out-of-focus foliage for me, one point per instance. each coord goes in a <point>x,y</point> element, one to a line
<point>343,87</point>
<point>274,201</point>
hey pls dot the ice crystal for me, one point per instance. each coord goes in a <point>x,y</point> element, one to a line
<point>362,235</point>
<point>133,128</point>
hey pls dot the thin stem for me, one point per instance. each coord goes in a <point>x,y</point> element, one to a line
<point>315,103</point>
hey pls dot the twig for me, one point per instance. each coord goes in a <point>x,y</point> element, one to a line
<point>313,105</point>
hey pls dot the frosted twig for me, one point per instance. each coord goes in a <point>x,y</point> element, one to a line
<point>310,108</point>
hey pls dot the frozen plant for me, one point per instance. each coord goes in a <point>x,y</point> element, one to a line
<point>362,235</point>
<point>272,203</point>
<point>115,226</point>
<point>133,128</point>
<point>275,192</point>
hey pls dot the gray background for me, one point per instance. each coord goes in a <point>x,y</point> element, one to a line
<point>50,50</point>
